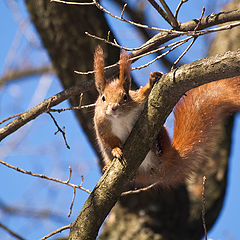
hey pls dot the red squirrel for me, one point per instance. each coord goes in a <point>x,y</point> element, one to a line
<point>197,116</point>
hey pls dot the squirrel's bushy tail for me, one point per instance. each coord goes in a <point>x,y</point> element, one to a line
<point>199,113</point>
<point>197,118</point>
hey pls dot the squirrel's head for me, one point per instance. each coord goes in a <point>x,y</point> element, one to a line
<point>114,94</point>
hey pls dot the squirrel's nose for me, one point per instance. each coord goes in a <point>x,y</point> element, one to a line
<point>114,107</point>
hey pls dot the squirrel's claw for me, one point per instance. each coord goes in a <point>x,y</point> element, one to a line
<point>154,77</point>
<point>117,152</point>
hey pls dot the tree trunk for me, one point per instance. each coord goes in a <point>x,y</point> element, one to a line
<point>62,30</point>
<point>159,214</point>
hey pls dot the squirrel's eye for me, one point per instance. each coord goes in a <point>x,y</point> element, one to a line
<point>103,98</point>
<point>125,97</point>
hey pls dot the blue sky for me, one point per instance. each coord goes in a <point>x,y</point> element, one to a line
<point>36,148</point>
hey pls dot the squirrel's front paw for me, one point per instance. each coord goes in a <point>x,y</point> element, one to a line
<point>154,77</point>
<point>117,152</point>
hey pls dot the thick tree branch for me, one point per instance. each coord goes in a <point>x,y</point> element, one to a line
<point>162,99</point>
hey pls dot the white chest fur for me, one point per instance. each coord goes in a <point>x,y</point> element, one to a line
<point>122,125</point>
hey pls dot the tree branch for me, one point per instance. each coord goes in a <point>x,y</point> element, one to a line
<point>12,233</point>
<point>205,22</point>
<point>43,107</point>
<point>160,11</point>
<point>18,74</point>
<point>55,232</point>
<point>178,8</point>
<point>173,20</point>
<point>45,177</point>
<point>189,28</point>
<point>162,99</point>
<point>154,42</point>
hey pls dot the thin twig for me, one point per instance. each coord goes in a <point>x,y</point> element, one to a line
<point>173,20</point>
<point>81,181</point>
<point>71,206</point>
<point>92,72</point>
<point>72,108</point>
<point>162,55</point>
<point>140,190</point>
<point>160,11</point>
<point>73,3</point>
<point>70,174</point>
<point>178,8</point>
<point>204,207</point>
<point>202,33</point>
<point>115,41</point>
<point>43,107</point>
<point>74,194</point>
<point>190,33</point>
<point>62,131</point>
<point>181,56</point>
<point>56,231</point>
<point>138,56</point>
<point>44,177</point>
<point>115,44</point>
<point>125,5</point>
<point>198,24</point>
<point>13,116</point>
<point>190,45</point>
<point>217,29</point>
<point>160,49</point>
<point>15,235</point>
<point>100,7</point>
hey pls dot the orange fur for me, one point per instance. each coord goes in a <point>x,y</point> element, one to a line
<point>124,71</point>
<point>99,69</point>
<point>117,107</point>
<point>198,114</point>
<point>197,117</point>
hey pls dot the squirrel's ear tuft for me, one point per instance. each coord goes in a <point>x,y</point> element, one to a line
<point>99,69</point>
<point>125,69</point>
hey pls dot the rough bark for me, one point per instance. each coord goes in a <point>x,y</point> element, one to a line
<point>161,214</point>
<point>162,99</point>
